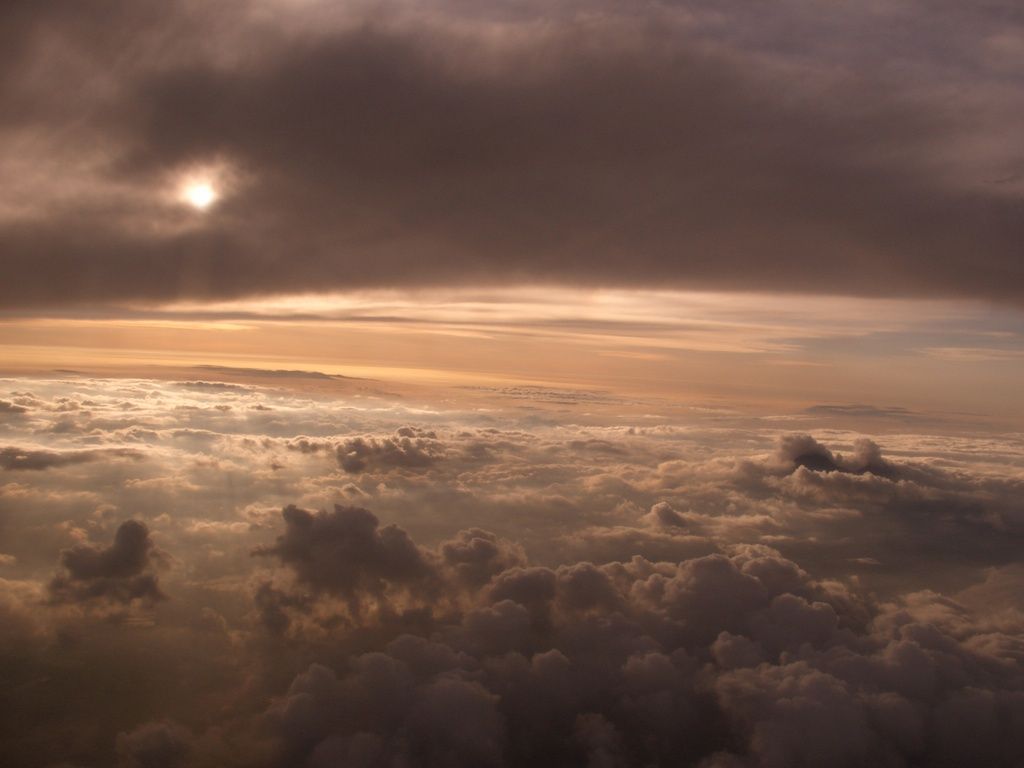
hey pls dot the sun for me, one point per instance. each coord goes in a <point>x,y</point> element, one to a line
<point>199,194</point>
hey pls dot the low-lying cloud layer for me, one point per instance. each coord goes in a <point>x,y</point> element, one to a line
<point>497,587</point>
<point>718,660</point>
<point>804,147</point>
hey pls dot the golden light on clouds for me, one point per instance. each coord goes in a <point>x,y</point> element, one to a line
<point>720,348</point>
<point>199,194</point>
<point>202,186</point>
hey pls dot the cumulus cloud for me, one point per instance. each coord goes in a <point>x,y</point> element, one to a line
<point>476,555</point>
<point>712,593</point>
<point>805,451</point>
<point>409,448</point>
<point>345,552</point>
<point>662,515</point>
<point>120,573</point>
<point>743,659</point>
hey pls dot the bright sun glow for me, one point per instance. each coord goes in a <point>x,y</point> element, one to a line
<point>200,195</point>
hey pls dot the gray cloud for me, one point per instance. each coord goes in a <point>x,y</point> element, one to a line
<point>409,449</point>
<point>345,553</point>
<point>739,660</point>
<point>476,556</point>
<point>270,373</point>
<point>659,144</point>
<point>154,745</point>
<point>805,451</point>
<point>9,409</point>
<point>12,458</point>
<point>120,573</point>
<point>212,386</point>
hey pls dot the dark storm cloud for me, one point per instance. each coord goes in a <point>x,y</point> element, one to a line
<point>608,143</point>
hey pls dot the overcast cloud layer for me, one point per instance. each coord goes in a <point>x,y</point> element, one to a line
<point>213,573</point>
<point>472,384</point>
<point>859,148</point>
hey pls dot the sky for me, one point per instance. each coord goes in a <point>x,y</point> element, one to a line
<point>508,383</point>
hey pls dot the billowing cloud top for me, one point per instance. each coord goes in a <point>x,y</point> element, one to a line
<point>200,574</point>
<point>868,149</point>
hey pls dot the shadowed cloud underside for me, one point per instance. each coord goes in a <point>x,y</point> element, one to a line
<point>805,148</point>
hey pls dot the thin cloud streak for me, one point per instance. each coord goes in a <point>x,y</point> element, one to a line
<point>735,349</point>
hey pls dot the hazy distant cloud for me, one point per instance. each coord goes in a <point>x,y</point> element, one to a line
<point>154,745</point>
<point>808,148</point>
<point>8,408</point>
<point>12,458</point>
<point>861,410</point>
<point>212,386</point>
<point>276,373</point>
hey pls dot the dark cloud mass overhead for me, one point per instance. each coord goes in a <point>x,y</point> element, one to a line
<point>841,149</point>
